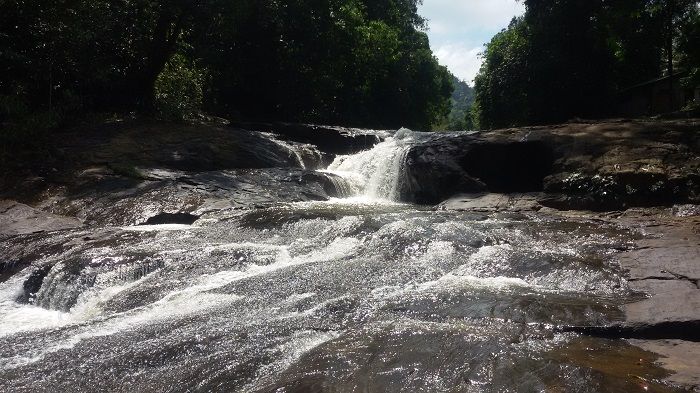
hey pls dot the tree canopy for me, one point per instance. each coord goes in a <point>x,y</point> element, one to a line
<point>569,58</point>
<point>351,62</point>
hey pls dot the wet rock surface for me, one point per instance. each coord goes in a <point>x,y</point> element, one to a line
<point>328,139</point>
<point>666,264</point>
<point>126,172</point>
<point>580,166</point>
<point>175,146</point>
<point>17,218</point>
<point>265,285</point>
<point>113,200</point>
<point>679,356</point>
<point>132,151</point>
<point>488,202</point>
<point>662,266</point>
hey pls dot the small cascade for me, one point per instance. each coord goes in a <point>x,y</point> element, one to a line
<point>59,287</point>
<point>380,171</point>
<point>344,188</point>
<point>306,155</point>
<point>62,286</point>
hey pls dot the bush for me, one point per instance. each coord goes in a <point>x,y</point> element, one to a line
<point>179,89</point>
<point>23,133</point>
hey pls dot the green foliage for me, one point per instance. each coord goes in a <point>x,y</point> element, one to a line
<point>24,138</point>
<point>570,58</point>
<point>501,89</point>
<point>355,62</point>
<point>179,89</point>
<point>75,55</point>
<point>61,59</point>
<point>23,132</point>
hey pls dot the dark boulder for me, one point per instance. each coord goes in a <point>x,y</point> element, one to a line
<point>454,164</point>
<point>578,166</point>
<point>509,167</point>
<point>33,283</point>
<point>433,171</point>
<point>172,218</point>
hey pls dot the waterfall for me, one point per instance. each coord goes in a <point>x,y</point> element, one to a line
<point>378,172</point>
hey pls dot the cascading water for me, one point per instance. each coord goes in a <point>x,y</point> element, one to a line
<point>377,173</point>
<point>306,156</point>
<point>345,188</point>
<point>315,296</point>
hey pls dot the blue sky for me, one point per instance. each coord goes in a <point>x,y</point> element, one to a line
<point>458,29</point>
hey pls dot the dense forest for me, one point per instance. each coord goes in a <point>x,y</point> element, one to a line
<point>352,62</point>
<point>573,58</point>
<point>363,63</point>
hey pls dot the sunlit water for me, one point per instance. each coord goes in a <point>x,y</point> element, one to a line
<point>358,294</point>
<point>376,174</point>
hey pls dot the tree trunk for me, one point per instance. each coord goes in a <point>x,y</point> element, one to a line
<point>163,45</point>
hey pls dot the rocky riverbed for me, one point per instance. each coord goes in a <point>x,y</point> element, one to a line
<point>278,257</point>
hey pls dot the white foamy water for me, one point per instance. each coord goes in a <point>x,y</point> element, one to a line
<point>378,171</point>
<point>358,288</point>
<point>20,318</point>
<point>171,307</point>
<point>16,317</point>
<point>190,299</point>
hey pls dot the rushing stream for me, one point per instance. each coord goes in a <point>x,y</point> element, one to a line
<point>357,294</point>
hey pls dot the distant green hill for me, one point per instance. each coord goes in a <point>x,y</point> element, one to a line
<point>461,103</point>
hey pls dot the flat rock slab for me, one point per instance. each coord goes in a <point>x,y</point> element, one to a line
<point>670,301</point>
<point>18,219</point>
<point>680,357</point>
<point>665,265</point>
<point>493,202</point>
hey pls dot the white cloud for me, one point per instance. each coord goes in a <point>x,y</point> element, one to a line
<point>472,14</point>
<point>458,29</point>
<point>461,60</point>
